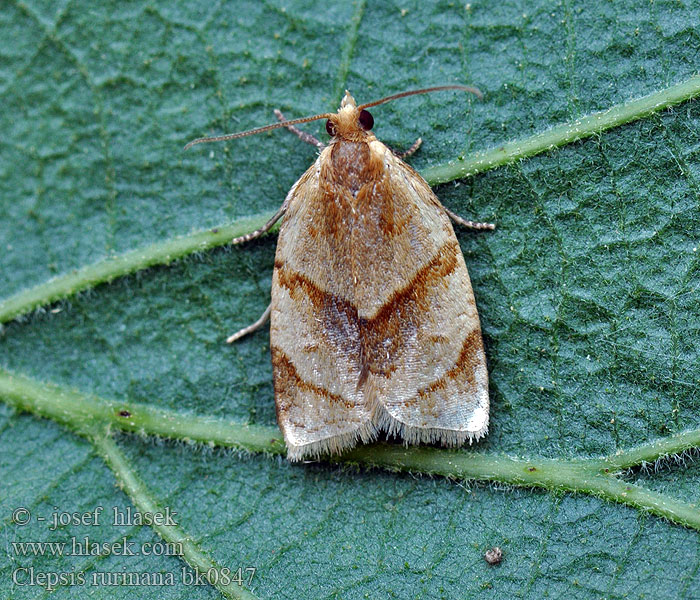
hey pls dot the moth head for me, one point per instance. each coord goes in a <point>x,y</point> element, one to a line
<point>351,122</point>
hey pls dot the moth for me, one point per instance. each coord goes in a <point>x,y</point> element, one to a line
<point>373,323</point>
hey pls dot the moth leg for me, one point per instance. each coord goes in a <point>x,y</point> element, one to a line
<point>410,151</point>
<point>258,232</point>
<point>470,224</point>
<point>251,328</point>
<point>302,135</point>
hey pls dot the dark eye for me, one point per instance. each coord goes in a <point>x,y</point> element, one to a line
<point>366,120</point>
<point>330,128</point>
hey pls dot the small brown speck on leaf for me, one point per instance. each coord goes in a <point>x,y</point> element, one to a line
<point>494,555</point>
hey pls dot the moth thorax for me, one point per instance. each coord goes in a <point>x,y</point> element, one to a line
<point>352,165</point>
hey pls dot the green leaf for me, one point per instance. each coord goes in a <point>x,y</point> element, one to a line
<point>587,290</point>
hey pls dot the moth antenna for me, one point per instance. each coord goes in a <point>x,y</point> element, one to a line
<point>233,136</point>
<point>438,88</point>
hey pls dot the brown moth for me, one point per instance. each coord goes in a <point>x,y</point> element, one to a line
<point>373,321</point>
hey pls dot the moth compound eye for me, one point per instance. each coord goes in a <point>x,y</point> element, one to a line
<point>330,128</point>
<point>366,120</point>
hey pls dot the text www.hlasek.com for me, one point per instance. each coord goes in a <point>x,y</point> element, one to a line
<point>88,547</point>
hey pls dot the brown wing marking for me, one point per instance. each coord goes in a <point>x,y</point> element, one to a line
<point>313,420</point>
<point>378,373</point>
<point>315,340</point>
<point>356,236</point>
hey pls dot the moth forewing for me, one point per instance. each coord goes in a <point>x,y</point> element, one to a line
<point>438,391</point>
